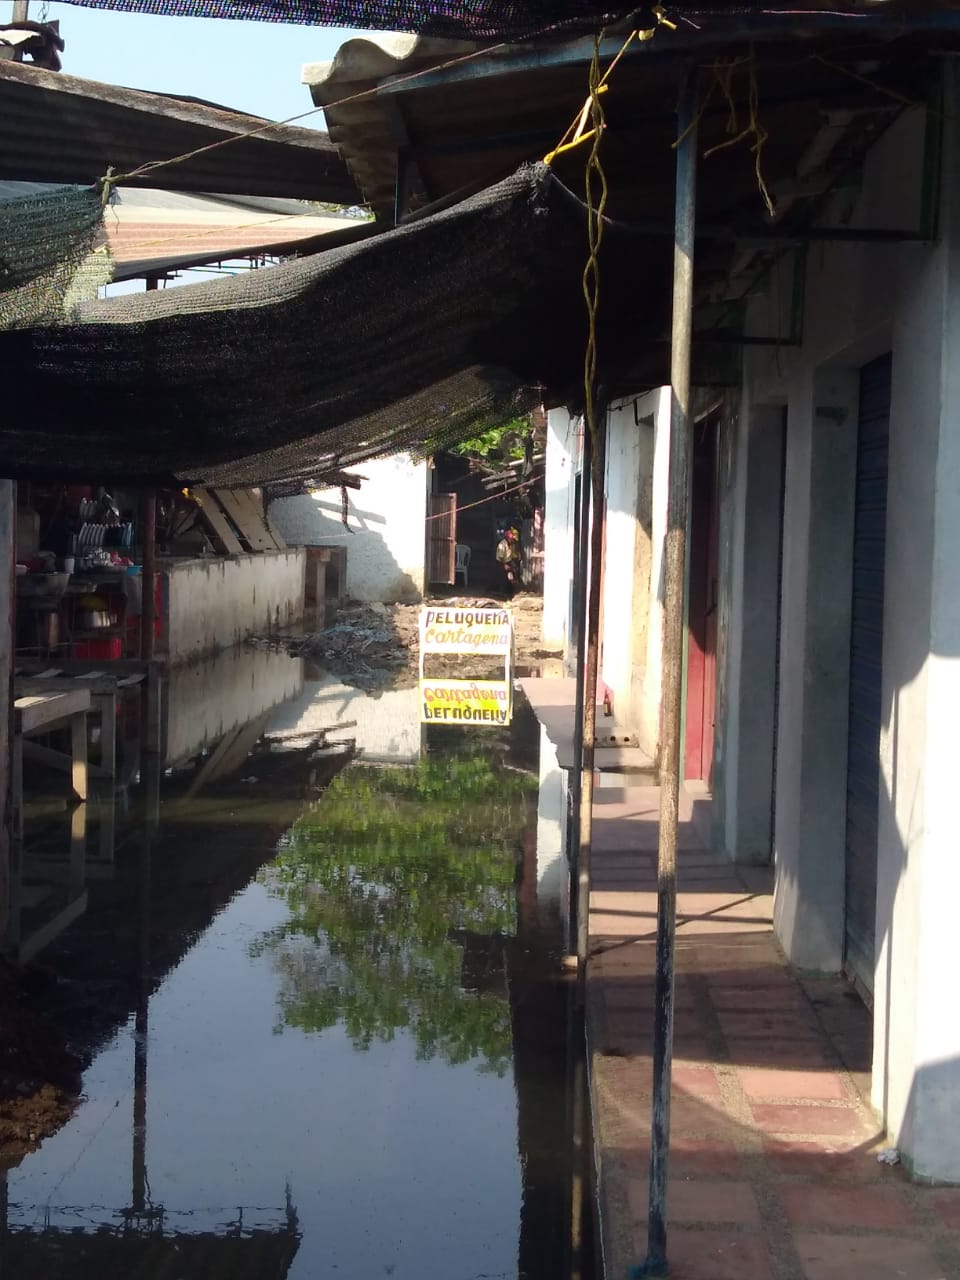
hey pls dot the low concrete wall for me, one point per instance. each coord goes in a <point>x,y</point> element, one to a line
<point>216,604</point>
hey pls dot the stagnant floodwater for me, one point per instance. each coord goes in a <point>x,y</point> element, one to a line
<point>322,1023</point>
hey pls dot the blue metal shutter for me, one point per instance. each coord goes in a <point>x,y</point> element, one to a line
<point>866,669</point>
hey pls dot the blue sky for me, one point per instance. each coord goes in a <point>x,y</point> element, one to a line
<point>250,66</point>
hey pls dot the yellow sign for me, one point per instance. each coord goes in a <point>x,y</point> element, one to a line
<point>486,631</point>
<point>465,701</point>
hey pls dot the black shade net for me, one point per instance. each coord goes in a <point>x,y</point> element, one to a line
<point>410,339</point>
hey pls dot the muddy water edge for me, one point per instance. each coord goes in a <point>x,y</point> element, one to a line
<point>309,1021</point>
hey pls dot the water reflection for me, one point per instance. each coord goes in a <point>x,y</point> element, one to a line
<point>384,726</point>
<point>395,884</point>
<point>319,1036</point>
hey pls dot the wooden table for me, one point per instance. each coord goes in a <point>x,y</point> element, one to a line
<point>40,713</point>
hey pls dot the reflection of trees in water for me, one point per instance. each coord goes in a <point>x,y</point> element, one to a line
<point>377,877</point>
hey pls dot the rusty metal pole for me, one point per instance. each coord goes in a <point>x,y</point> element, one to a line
<point>589,699</point>
<point>674,591</point>
<point>582,534</point>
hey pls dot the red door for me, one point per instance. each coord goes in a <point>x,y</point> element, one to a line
<point>702,605</point>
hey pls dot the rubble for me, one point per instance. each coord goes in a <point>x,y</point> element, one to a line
<point>376,646</point>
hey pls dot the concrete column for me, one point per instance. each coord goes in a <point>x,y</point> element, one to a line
<point>559,474</point>
<point>814,669</point>
<point>656,403</point>
<point>553,876</point>
<point>743,777</point>
<point>626,585</point>
<point>916,1070</point>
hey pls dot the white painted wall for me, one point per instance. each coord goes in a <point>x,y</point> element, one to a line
<point>553,877</point>
<point>658,404</point>
<point>559,473</point>
<point>860,302</point>
<point>387,728</point>
<point>387,534</point>
<point>215,604</point>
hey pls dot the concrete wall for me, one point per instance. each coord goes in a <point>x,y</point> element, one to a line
<point>214,604</point>
<point>860,302</point>
<point>558,536</point>
<point>628,558</point>
<point>387,534</point>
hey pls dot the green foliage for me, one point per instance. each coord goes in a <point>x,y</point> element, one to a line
<point>382,879</point>
<point>504,442</point>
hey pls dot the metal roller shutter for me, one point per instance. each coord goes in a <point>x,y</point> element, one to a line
<point>866,669</point>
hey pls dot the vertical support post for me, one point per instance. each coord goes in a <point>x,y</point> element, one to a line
<point>588,700</point>
<point>21,10</point>
<point>672,687</point>
<point>8,794</point>
<point>580,621</point>
<point>148,609</point>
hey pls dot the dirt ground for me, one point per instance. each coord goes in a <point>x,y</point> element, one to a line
<point>376,646</point>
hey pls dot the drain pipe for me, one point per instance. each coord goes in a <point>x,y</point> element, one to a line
<point>588,701</point>
<point>580,621</point>
<point>675,576</point>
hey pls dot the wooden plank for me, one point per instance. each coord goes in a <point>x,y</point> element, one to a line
<point>217,521</point>
<point>58,760</point>
<point>36,711</point>
<point>31,946</point>
<point>8,516</point>
<point>241,507</point>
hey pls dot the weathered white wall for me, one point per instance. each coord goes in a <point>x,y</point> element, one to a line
<point>214,604</point>
<point>626,577</point>
<point>558,534</point>
<point>657,404</point>
<point>553,877</point>
<point>204,700</point>
<point>387,728</point>
<point>387,538</point>
<point>861,301</point>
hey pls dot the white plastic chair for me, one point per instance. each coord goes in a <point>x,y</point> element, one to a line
<point>463,562</point>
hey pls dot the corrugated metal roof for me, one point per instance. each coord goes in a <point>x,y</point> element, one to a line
<point>58,128</point>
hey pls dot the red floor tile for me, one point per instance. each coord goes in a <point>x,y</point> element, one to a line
<point>715,1255</point>
<point>809,1205</point>
<point>831,1257</point>
<point>840,1122</point>
<point>700,1201</point>
<point>945,1203</point>
<point>762,1083</point>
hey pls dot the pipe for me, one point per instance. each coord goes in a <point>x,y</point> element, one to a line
<point>580,622</point>
<point>588,701</point>
<point>674,589</point>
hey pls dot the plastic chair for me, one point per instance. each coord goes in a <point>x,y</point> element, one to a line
<point>463,562</point>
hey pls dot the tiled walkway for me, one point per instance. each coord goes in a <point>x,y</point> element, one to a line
<point>773,1172</point>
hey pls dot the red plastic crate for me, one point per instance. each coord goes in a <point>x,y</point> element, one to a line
<point>104,647</point>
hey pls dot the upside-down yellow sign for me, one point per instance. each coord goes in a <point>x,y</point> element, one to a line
<point>465,701</point>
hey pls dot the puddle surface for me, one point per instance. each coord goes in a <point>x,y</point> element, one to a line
<point>321,1018</point>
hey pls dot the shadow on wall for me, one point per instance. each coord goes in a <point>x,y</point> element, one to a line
<point>384,534</point>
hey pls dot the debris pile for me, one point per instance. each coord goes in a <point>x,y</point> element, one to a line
<point>376,646</point>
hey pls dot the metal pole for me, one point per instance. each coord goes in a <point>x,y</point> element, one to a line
<point>148,613</point>
<point>675,578</point>
<point>21,10</point>
<point>580,621</point>
<point>589,698</point>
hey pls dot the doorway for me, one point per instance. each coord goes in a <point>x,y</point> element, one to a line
<point>701,696</point>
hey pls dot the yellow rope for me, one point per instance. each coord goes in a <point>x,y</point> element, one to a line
<point>724,74</point>
<point>595,178</point>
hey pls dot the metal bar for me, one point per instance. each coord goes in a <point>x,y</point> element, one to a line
<point>674,575</point>
<point>148,609</point>
<point>580,619</point>
<point>589,699</point>
<point>21,10</point>
<point>722,29</point>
